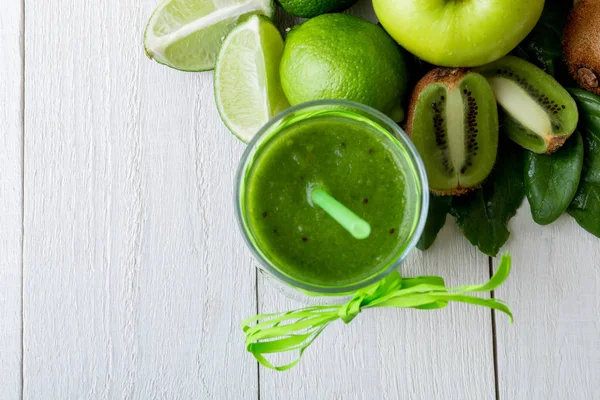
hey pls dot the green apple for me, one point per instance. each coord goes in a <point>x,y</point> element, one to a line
<point>458,33</point>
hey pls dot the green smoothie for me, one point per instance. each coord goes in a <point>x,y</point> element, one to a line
<point>358,165</point>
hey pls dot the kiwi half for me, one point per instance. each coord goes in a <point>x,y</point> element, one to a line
<point>581,44</point>
<point>453,122</point>
<point>539,114</point>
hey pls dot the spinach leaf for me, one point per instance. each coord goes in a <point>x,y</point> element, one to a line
<point>585,207</point>
<point>483,215</point>
<point>436,218</point>
<point>551,180</point>
<point>543,46</point>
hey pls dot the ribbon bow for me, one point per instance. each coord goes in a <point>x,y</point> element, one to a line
<point>296,330</point>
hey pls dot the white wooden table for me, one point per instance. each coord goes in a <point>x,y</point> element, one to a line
<point>123,276</point>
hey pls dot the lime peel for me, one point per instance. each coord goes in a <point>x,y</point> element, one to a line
<point>247,86</point>
<point>156,45</point>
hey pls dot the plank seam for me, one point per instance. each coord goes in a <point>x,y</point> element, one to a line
<point>257,312</point>
<point>494,338</point>
<point>22,23</point>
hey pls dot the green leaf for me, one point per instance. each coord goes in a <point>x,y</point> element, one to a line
<point>551,180</point>
<point>585,207</point>
<point>436,218</point>
<point>483,215</point>
<point>543,46</point>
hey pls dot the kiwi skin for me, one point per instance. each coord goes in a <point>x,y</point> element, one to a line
<point>448,76</point>
<point>557,103</point>
<point>581,44</point>
<point>451,78</point>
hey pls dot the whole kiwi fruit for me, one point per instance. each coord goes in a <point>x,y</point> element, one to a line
<point>581,44</point>
<point>453,122</point>
<point>538,113</point>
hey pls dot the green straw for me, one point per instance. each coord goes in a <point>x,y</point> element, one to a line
<point>355,225</point>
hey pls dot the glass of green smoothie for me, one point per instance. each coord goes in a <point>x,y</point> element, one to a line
<point>331,197</point>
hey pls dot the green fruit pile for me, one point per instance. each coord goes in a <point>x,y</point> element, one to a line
<point>492,127</point>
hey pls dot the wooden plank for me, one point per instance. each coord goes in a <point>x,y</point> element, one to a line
<point>552,351</point>
<point>136,279</point>
<point>11,198</point>
<point>398,354</point>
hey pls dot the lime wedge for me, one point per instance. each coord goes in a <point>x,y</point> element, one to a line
<point>247,86</point>
<point>187,34</point>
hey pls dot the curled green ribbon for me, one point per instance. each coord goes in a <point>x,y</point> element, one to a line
<point>296,330</point>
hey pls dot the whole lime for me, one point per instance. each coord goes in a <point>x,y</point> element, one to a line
<point>338,56</point>
<point>312,8</point>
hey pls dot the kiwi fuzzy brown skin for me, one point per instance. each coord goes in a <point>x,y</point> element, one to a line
<point>448,76</point>
<point>581,44</point>
<point>459,191</point>
<point>451,78</point>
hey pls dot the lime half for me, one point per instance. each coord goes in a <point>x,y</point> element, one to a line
<point>247,86</point>
<point>187,34</point>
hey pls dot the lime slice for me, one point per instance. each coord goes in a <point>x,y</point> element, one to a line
<point>247,86</point>
<point>187,34</point>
